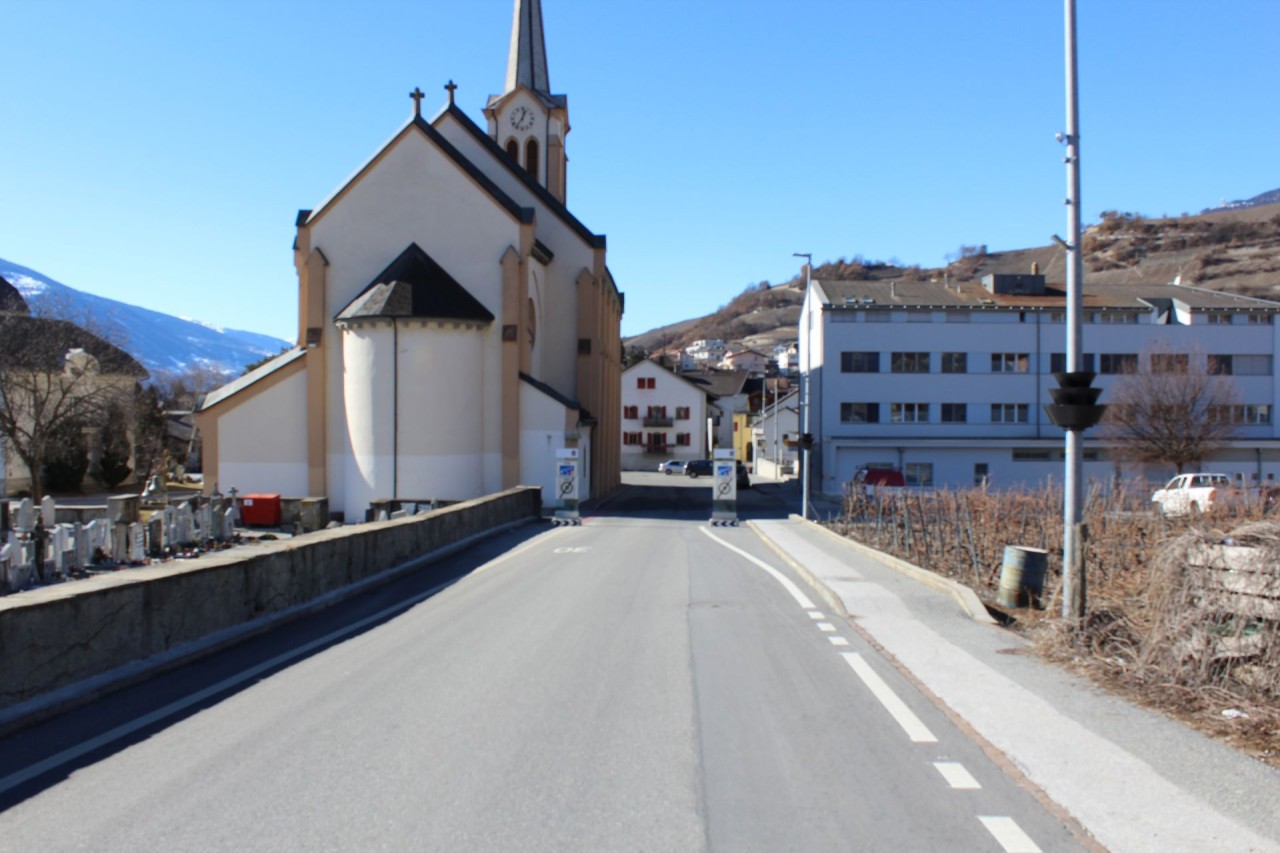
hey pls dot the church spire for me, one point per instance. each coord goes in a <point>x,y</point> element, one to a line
<point>527,61</point>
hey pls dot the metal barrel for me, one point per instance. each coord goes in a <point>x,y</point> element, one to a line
<point>1021,576</point>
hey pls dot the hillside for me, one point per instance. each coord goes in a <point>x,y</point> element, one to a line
<point>162,343</point>
<point>1235,248</point>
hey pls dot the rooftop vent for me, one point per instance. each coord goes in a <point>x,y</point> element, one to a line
<point>1014,284</point>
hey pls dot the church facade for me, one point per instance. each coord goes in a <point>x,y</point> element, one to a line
<point>457,325</point>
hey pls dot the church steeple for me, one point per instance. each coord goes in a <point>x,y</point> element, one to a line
<point>527,61</point>
<point>526,120</point>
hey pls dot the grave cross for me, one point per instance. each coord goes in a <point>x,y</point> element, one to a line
<point>417,96</point>
<point>451,87</point>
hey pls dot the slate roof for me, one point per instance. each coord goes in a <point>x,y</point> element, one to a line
<point>727,383</point>
<point>414,285</point>
<point>11,299</point>
<point>41,343</point>
<point>873,295</point>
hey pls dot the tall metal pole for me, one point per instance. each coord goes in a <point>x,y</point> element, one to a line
<point>807,387</point>
<point>1073,504</point>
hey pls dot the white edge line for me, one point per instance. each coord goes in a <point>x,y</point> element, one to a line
<point>787,584</point>
<point>911,724</point>
<point>1009,834</point>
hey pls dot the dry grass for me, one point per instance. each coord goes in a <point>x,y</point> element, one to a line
<point>1167,624</point>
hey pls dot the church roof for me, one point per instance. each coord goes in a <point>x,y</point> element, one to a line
<point>11,299</point>
<point>414,285</point>
<point>259,373</point>
<point>520,214</point>
<point>527,61</point>
<point>596,241</point>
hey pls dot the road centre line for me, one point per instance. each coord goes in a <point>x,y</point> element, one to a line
<point>838,641</point>
<point>787,584</point>
<point>1009,834</point>
<point>911,724</point>
<point>816,614</point>
<point>957,777</point>
<point>826,627</point>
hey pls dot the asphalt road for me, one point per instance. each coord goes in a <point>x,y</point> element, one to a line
<point>642,682</point>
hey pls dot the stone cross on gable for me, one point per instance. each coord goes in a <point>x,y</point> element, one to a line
<point>451,87</point>
<point>417,96</point>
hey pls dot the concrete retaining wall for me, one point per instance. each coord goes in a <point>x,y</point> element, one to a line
<point>59,635</point>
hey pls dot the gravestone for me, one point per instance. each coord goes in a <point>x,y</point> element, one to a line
<point>26,516</point>
<point>120,543</point>
<point>186,524</point>
<point>206,523</point>
<point>155,535</point>
<point>84,553</point>
<point>137,543</point>
<point>229,523</point>
<point>48,512</point>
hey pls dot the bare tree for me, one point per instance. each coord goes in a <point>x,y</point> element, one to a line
<point>1172,407</point>
<point>56,379</point>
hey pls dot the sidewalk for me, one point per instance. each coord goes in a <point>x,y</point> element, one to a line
<point>1136,780</point>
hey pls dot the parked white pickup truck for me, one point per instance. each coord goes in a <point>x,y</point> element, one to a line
<point>1196,494</point>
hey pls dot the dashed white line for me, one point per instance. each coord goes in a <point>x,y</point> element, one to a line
<point>1009,834</point>
<point>957,777</point>
<point>787,584</point>
<point>838,641</point>
<point>816,614</point>
<point>826,627</point>
<point>911,724</point>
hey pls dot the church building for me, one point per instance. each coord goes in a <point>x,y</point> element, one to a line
<point>457,325</point>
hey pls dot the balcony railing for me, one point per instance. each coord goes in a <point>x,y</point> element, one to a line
<point>657,449</point>
<point>661,421</point>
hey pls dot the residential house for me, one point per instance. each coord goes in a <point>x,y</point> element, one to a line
<point>664,416</point>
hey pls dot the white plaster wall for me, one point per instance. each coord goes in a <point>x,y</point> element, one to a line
<point>671,391</point>
<point>442,411</point>
<point>542,424</point>
<point>367,420</point>
<point>266,436</point>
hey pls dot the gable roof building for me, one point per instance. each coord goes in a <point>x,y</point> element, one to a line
<point>457,324</point>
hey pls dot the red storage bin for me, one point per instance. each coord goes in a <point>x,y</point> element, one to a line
<point>260,511</point>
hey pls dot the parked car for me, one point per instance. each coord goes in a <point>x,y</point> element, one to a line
<point>1196,494</point>
<point>703,468</point>
<point>870,480</point>
<point>671,466</point>
<point>696,468</point>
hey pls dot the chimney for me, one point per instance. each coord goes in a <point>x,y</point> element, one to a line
<point>1035,268</point>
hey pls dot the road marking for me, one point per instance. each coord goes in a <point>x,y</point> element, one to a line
<point>787,584</point>
<point>578,550</point>
<point>916,730</point>
<point>816,614</point>
<point>826,627</point>
<point>1009,834</point>
<point>124,730</point>
<point>957,777</point>
<point>838,641</point>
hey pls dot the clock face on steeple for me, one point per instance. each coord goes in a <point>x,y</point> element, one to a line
<point>522,118</point>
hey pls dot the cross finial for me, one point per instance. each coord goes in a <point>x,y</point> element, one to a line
<point>452,87</point>
<point>417,96</point>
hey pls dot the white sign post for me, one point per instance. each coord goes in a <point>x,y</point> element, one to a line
<point>724,484</point>
<point>567,486</point>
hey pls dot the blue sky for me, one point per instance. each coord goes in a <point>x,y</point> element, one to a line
<point>157,152</point>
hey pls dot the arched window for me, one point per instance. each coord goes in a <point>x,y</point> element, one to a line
<point>513,150</point>
<point>531,158</point>
<point>533,324</point>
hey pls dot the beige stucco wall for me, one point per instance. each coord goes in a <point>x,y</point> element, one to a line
<point>542,430</point>
<point>262,441</point>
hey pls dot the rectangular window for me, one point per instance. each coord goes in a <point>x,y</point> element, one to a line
<point>1259,319</point>
<point>1218,319</point>
<point>1057,316</point>
<point>859,362</point>
<point>919,316</point>
<point>1113,318</point>
<point>909,413</point>
<point>1117,362</point>
<point>909,362</point>
<point>1008,413</point>
<point>959,317</point>
<point>639,381</point>
<point>955,362</point>
<point>860,413</point>
<point>1252,365</point>
<point>1058,362</point>
<point>683,439</point>
<point>650,382</point>
<point>1165,362</point>
<point>918,473</point>
<point>955,413</point>
<point>1032,456</point>
<point>1251,414</point>
<point>1010,362</point>
<point>630,412</point>
<point>981,473</point>
<point>877,316</point>
<point>682,413</point>
<point>1221,365</point>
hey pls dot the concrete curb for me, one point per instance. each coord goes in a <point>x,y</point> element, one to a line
<point>63,699</point>
<point>964,596</point>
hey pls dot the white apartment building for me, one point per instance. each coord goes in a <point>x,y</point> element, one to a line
<point>707,351</point>
<point>947,382</point>
<point>664,416</point>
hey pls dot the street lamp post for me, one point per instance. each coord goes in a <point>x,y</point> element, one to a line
<point>806,388</point>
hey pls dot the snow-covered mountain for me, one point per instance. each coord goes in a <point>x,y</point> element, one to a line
<point>162,343</point>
